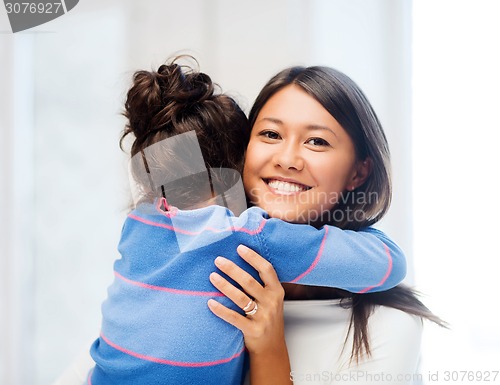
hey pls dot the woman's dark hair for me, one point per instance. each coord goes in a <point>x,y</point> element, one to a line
<point>345,101</point>
<point>177,99</point>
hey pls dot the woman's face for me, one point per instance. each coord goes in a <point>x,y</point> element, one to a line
<point>299,159</point>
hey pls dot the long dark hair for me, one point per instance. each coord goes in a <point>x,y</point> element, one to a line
<point>176,99</point>
<point>345,101</point>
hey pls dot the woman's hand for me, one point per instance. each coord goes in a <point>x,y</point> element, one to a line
<point>264,330</point>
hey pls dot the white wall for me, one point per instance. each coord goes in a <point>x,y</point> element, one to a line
<point>60,133</point>
<point>456,134</point>
<point>16,203</point>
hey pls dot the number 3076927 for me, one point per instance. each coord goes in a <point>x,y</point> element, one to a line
<point>34,7</point>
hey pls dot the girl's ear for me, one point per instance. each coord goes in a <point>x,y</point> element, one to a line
<point>362,171</point>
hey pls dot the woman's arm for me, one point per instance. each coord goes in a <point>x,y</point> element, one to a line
<point>263,331</point>
<point>358,261</point>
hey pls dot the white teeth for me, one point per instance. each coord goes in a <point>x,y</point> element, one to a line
<point>285,186</point>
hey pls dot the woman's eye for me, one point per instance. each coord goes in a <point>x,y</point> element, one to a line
<point>270,134</point>
<point>318,142</point>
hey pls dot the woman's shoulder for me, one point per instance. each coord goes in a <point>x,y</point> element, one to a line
<point>395,321</point>
<point>384,314</point>
<point>395,338</point>
<point>384,321</point>
<point>319,341</point>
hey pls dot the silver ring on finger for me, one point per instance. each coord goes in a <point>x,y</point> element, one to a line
<point>250,305</point>
<point>251,308</point>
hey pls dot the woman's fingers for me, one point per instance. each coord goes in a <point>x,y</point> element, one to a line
<point>228,315</point>
<point>249,284</point>
<point>237,296</point>
<point>265,269</point>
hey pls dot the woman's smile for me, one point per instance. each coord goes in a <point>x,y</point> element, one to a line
<point>285,186</point>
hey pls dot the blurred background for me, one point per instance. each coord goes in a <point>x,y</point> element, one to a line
<point>429,67</point>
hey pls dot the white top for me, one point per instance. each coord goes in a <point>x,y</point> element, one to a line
<point>315,331</point>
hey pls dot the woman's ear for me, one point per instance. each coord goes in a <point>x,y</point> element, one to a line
<point>362,171</point>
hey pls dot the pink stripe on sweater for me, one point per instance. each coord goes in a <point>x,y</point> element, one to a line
<point>316,260</point>
<point>188,232</point>
<point>169,289</point>
<point>170,362</point>
<point>387,273</point>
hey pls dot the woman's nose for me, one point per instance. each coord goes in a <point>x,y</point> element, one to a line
<point>288,157</point>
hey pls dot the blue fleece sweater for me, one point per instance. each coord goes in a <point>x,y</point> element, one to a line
<point>157,328</point>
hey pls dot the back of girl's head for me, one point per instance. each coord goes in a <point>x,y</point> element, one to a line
<point>177,99</point>
<point>345,101</point>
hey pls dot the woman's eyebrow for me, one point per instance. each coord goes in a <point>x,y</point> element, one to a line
<point>320,127</point>
<point>272,120</point>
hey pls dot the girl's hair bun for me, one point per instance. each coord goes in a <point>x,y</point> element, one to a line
<point>158,99</point>
<point>178,98</point>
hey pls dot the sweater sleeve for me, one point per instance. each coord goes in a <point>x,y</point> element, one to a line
<point>357,261</point>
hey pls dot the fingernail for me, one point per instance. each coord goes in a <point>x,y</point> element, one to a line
<point>212,303</point>
<point>242,248</point>
<point>219,261</point>
<point>215,277</point>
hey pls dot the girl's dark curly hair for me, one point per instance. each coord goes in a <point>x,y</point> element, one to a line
<point>176,99</point>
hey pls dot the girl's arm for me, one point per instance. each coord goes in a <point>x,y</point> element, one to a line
<point>358,261</point>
